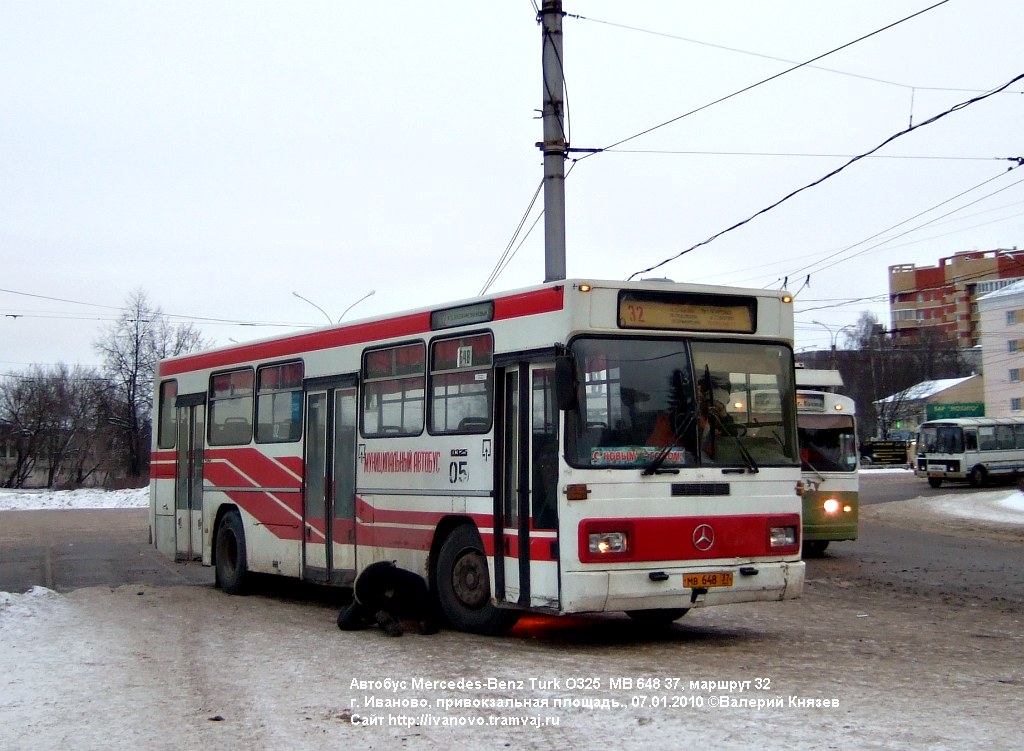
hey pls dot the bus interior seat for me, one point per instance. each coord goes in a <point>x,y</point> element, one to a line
<point>473,424</point>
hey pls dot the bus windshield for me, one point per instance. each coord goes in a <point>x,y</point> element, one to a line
<point>827,443</point>
<point>693,403</point>
<point>941,439</point>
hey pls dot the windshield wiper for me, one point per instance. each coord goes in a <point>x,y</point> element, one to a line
<point>821,477</point>
<point>751,464</point>
<point>655,466</point>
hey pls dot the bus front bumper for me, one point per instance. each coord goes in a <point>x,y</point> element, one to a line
<point>643,589</point>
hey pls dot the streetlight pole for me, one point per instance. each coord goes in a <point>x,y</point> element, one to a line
<point>833,336</point>
<point>329,319</point>
<point>368,294</point>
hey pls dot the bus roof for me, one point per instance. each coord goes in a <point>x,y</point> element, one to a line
<point>972,422</point>
<point>511,304</point>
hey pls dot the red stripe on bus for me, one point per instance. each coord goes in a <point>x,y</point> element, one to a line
<point>162,471</point>
<point>404,538</point>
<point>280,512</point>
<point>374,515</point>
<point>291,346</point>
<point>413,324</point>
<point>541,548</point>
<point>292,463</point>
<point>263,471</point>
<point>529,303</point>
<point>689,538</point>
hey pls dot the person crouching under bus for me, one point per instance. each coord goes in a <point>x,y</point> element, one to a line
<point>388,595</point>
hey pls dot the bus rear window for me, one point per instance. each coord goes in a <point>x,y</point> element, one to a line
<point>168,423</point>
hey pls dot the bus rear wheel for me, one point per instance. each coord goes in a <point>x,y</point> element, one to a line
<point>464,586</point>
<point>935,482</point>
<point>231,568</point>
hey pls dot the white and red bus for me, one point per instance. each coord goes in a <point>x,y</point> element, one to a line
<point>571,447</point>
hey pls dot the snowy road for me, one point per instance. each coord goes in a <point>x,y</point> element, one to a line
<point>846,666</point>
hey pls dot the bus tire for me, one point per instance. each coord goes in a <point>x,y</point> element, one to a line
<point>231,568</point>
<point>978,477</point>
<point>935,482</point>
<point>464,586</point>
<point>814,548</point>
<point>657,616</point>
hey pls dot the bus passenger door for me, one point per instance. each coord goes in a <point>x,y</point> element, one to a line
<point>328,496</point>
<point>343,487</point>
<point>315,533</point>
<point>508,486</point>
<point>188,486</point>
<point>526,508</point>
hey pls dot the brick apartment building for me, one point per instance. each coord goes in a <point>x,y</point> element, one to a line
<point>944,297</point>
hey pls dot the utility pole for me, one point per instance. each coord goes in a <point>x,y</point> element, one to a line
<point>555,145</point>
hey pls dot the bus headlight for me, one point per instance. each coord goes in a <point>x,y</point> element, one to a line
<point>608,542</point>
<point>782,537</point>
<point>830,506</point>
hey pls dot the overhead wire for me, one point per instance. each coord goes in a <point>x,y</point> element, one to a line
<point>775,58</point>
<point>766,80</point>
<point>122,310</point>
<point>505,256</point>
<point>670,152</point>
<point>885,246</point>
<point>887,141</point>
<point>814,267</point>
<point>828,254</point>
<point>502,263</point>
<point>565,127</point>
<point>1013,256</point>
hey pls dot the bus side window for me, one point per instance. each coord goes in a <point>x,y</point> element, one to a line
<point>970,440</point>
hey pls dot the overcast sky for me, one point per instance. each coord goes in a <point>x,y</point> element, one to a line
<point>222,155</point>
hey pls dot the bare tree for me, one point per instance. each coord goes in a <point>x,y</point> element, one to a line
<point>23,408</point>
<point>51,420</point>
<point>131,348</point>
<point>878,374</point>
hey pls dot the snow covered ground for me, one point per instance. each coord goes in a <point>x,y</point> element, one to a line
<point>29,500</point>
<point>184,667</point>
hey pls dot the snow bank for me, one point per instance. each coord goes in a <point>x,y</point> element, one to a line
<point>30,500</point>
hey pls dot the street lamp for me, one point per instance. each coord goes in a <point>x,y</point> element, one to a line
<point>368,294</point>
<point>329,319</point>
<point>314,305</point>
<point>833,336</point>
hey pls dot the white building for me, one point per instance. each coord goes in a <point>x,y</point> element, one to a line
<point>1001,319</point>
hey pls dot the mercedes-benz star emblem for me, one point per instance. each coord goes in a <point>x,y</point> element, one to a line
<point>703,537</point>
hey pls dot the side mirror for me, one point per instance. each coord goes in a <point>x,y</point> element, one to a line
<point>565,382</point>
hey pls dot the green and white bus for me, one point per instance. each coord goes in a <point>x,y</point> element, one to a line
<point>827,436</point>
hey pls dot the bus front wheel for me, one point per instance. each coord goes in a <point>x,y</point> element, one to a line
<point>935,482</point>
<point>231,569</point>
<point>464,586</point>
<point>977,478</point>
